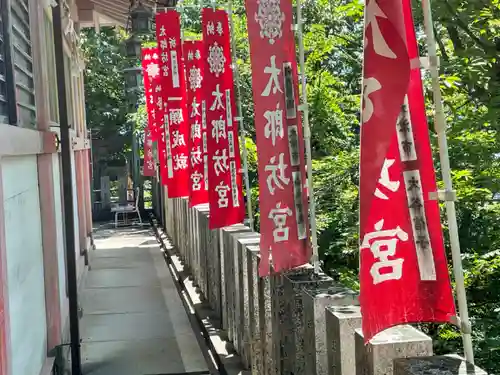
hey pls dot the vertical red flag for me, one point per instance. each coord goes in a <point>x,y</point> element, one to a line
<point>154,104</point>
<point>224,174</point>
<point>198,184</point>
<point>149,66</point>
<point>404,275</point>
<point>148,168</point>
<point>283,199</point>
<point>168,34</point>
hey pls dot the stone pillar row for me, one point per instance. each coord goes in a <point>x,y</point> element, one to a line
<point>296,323</point>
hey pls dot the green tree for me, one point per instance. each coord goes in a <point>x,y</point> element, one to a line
<point>468,36</point>
<point>468,40</point>
<point>106,105</point>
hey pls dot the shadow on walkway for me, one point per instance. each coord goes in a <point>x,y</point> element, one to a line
<point>134,322</point>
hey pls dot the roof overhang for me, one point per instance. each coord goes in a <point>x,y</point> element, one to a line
<point>96,13</point>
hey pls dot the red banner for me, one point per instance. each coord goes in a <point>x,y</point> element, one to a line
<point>148,168</point>
<point>154,103</point>
<point>168,34</point>
<point>404,274</point>
<point>149,67</point>
<point>283,198</point>
<point>224,174</point>
<point>198,186</point>
<point>148,64</point>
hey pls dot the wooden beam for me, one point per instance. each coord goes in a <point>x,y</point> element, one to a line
<point>20,141</point>
<point>117,6</point>
<point>122,4</point>
<point>97,25</point>
<point>116,10</point>
<point>85,4</point>
<point>86,15</point>
<point>114,13</point>
<point>117,16</point>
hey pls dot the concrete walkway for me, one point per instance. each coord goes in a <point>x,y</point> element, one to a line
<point>134,322</point>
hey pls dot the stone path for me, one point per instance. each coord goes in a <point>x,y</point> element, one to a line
<point>134,322</point>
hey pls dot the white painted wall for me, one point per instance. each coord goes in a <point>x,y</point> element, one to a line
<point>75,207</point>
<point>24,264</point>
<point>80,260</point>
<point>61,254</point>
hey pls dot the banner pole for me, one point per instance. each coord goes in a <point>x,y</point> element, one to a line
<point>240,117</point>
<point>304,107</point>
<point>440,126</point>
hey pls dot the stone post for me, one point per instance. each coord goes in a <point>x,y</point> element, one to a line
<point>168,216</point>
<point>267,322</point>
<point>180,224</point>
<point>341,322</point>
<point>442,365</point>
<point>185,226</point>
<point>243,296</point>
<point>190,236</point>
<point>256,311</point>
<point>288,322</point>
<point>315,301</point>
<point>182,229</point>
<point>229,261</point>
<point>189,226</point>
<point>173,213</point>
<point>175,237</point>
<point>195,243</point>
<point>201,212</point>
<point>239,238</point>
<point>202,282</point>
<point>214,271</point>
<point>180,221</point>
<point>378,356</point>
<point>105,192</point>
<point>122,190</point>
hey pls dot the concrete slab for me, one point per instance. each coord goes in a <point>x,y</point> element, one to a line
<point>122,300</point>
<point>144,357</point>
<point>134,322</point>
<point>124,252</point>
<point>120,243</point>
<point>128,326</point>
<point>117,262</point>
<point>115,278</point>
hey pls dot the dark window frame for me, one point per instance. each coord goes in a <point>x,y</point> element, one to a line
<point>7,50</point>
<point>19,96</point>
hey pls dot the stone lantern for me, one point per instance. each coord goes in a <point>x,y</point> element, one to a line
<point>133,78</point>
<point>141,18</point>
<point>133,47</point>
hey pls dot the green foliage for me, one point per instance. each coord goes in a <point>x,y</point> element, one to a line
<point>333,46</point>
<point>469,42</point>
<point>468,34</point>
<point>106,104</point>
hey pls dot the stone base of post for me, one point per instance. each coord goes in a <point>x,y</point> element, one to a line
<point>255,311</point>
<point>315,300</point>
<point>341,323</point>
<point>288,314</point>
<point>377,357</point>
<point>242,242</point>
<point>442,365</point>
<point>231,277</point>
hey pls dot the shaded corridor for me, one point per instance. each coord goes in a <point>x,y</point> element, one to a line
<point>134,322</point>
